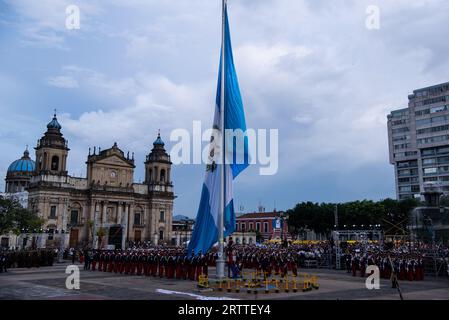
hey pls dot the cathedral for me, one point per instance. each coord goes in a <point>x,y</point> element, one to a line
<point>107,209</point>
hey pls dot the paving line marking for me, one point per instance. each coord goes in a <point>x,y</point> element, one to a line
<point>197,296</point>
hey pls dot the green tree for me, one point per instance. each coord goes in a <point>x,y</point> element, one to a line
<point>14,218</point>
<point>391,214</point>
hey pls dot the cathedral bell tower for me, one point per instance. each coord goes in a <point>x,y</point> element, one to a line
<point>160,192</point>
<point>52,151</point>
<point>158,168</point>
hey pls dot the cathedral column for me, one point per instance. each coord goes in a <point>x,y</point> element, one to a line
<point>154,224</point>
<point>66,236</point>
<point>125,234</point>
<point>104,213</point>
<point>119,212</point>
<point>131,221</point>
<point>90,216</point>
<point>63,164</point>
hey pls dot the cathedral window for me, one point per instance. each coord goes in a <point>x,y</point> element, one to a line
<point>137,218</point>
<point>54,163</point>
<point>74,217</point>
<point>161,235</point>
<point>53,212</point>
<point>162,178</point>
<point>162,216</point>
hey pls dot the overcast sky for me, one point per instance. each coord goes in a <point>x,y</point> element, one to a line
<point>308,68</point>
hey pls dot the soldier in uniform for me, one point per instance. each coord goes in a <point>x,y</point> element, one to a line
<point>111,261</point>
<point>127,262</point>
<point>117,262</point>
<point>2,261</point>
<point>179,266</point>
<point>348,262</point>
<point>362,266</point>
<point>35,259</point>
<point>51,257</point>
<point>163,265</point>
<point>94,260</point>
<point>199,266</point>
<point>354,264</point>
<point>402,267</point>
<point>185,266</point>
<point>410,269</point>
<point>134,263</point>
<point>100,260</point>
<point>205,264</point>
<point>170,266</point>
<point>106,262</point>
<point>155,264</point>
<point>192,267</point>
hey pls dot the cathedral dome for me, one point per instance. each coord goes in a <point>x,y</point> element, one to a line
<point>158,141</point>
<point>54,124</point>
<point>24,164</point>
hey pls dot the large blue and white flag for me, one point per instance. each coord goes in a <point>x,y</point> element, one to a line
<point>206,231</point>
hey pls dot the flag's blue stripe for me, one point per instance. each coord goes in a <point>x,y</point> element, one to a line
<point>205,233</point>
<point>235,116</point>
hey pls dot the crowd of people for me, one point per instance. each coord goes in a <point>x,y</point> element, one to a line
<point>171,263</point>
<point>26,259</point>
<point>407,262</point>
<point>406,267</point>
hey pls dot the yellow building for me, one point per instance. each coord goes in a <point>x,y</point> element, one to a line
<point>107,208</point>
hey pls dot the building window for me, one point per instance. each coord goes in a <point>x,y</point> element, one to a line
<point>162,175</point>
<point>161,235</point>
<point>74,217</point>
<point>53,212</point>
<point>162,216</point>
<point>236,227</point>
<point>430,171</point>
<point>137,219</point>
<point>50,234</point>
<point>251,226</point>
<point>429,161</point>
<point>265,227</point>
<point>257,226</point>
<point>243,227</point>
<point>54,163</point>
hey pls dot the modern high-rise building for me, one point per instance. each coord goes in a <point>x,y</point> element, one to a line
<point>418,139</point>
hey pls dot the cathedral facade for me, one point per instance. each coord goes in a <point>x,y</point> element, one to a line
<point>107,208</point>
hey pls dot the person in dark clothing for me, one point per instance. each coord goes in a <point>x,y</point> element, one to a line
<point>73,256</point>
<point>86,259</point>
<point>2,262</point>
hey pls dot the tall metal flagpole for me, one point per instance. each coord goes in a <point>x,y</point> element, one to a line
<point>220,260</point>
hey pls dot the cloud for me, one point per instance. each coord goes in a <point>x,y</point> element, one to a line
<point>63,82</point>
<point>308,68</point>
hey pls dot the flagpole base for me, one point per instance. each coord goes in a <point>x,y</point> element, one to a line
<point>220,268</point>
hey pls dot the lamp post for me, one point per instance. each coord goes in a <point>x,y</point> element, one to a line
<point>186,228</point>
<point>62,243</point>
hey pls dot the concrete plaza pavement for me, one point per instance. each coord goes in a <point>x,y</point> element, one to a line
<point>48,283</point>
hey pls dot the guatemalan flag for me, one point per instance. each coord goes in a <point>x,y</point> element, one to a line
<point>205,232</point>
